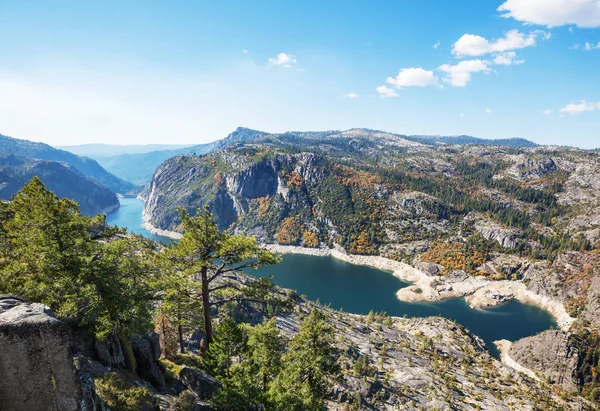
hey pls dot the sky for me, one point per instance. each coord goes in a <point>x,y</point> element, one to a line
<point>189,72</point>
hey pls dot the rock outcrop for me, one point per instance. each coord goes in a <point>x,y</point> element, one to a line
<point>147,351</point>
<point>199,382</point>
<point>494,232</point>
<point>549,354</point>
<point>35,360</point>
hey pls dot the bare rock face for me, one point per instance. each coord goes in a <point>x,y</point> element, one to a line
<point>549,354</point>
<point>199,382</point>
<point>35,360</point>
<point>494,232</point>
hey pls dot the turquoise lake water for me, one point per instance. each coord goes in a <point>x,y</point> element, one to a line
<point>360,289</point>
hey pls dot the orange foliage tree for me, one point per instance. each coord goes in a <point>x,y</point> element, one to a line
<point>289,232</point>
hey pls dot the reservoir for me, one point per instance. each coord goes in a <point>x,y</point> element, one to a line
<point>360,289</point>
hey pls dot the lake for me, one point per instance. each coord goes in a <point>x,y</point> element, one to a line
<point>360,289</point>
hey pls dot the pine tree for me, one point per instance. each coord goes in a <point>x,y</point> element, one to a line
<point>309,365</point>
<point>206,254</point>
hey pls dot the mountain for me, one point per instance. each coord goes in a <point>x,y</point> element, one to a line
<point>61,178</point>
<point>510,142</point>
<point>109,150</point>
<point>472,208</point>
<point>84,165</point>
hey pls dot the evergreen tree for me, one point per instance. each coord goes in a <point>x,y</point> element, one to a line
<point>309,366</point>
<point>77,265</point>
<point>266,350</point>
<point>207,254</point>
<point>181,305</point>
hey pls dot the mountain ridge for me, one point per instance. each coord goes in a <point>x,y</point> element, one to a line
<point>139,167</point>
<point>61,178</point>
<point>87,166</point>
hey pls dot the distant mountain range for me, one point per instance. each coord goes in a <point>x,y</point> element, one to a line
<point>138,168</point>
<point>86,166</point>
<point>61,178</point>
<point>98,150</point>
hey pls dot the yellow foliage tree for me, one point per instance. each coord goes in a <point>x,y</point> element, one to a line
<point>310,239</point>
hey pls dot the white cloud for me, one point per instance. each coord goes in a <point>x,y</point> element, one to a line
<point>590,46</point>
<point>580,107</point>
<point>488,111</point>
<point>547,112</point>
<point>350,95</point>
<point>245,51</point>
<point>436,45</point>
<point>283,59</point>
<point>460,74</point>
<point>575,47</point>
<point>462,114</point>
<point>506,59</point>
<point>553,13</point>
<point>473,45</point>
<point>386,92</point>
<point>413,77</point>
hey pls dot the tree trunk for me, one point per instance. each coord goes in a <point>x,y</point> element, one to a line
<point>206,308</point>
<point>130,362</point>
<point>181,346</point>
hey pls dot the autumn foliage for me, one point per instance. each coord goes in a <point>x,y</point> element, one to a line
<point>295,180</point>
<point>310,239</point>
<point>456,256</point>
<point>289,232</point>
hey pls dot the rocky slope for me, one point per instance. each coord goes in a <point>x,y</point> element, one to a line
<point>387,364</point>
<point>550,354</point>
<point>61,178</point>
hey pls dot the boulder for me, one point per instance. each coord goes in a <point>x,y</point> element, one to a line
<point>431,269</point>
<point>154,341</point>
<point>35,360</point>
<point>109,352</point>
<point>145,352</point>
<point>200,382</point>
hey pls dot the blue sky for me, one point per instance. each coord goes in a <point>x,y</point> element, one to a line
<point>135,72</point>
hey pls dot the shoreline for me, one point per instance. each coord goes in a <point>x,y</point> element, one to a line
<point>157,231</point>
<point>479,292</point>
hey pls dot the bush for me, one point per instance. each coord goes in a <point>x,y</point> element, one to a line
<point>121,395</point>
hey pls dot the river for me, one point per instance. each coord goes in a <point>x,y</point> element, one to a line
<point>360,289</point>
